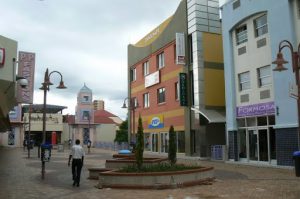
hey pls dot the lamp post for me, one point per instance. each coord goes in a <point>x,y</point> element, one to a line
<point>132,105</point>
<point>295,64</point>
<point>46,87</point>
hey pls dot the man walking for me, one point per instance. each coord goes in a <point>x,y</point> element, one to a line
<point>77,156</point>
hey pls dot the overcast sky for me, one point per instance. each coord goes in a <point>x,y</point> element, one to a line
<point>85,40</point>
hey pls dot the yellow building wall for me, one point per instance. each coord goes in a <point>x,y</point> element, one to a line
<point>214,71</point>
<point>214,87</point>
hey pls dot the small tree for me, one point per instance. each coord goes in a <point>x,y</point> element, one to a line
<point>172,146</point>
<point>122,134</point>
<point>139,144</point>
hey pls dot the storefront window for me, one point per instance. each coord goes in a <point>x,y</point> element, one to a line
<point>262,121</point>
<point>147,142</point>
<point>242,143</point>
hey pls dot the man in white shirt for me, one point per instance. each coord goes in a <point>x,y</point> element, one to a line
<point>77,156</point>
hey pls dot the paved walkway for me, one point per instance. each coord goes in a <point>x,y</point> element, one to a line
<point>20,177</point>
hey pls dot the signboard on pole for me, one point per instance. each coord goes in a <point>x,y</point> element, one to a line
<point>26,68</point>
<point>183,89</point>
<point>180,49</point>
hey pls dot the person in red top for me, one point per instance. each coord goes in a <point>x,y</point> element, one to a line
<point>77,156</point>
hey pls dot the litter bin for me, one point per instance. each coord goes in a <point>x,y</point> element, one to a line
<point>296,157</point>
<point>60,148</point>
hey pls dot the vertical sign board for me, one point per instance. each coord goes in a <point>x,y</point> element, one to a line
<point>183,89</point>
<point>180,49</point>
<point>26,69</point>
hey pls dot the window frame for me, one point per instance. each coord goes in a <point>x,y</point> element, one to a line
<point>263,27</point>
<point>146,68</point>
<point>133,74</point>
<point>241,32</point>
<point>160,60</point>
<point>241,83</point>
<point>146,100</point>
<point>161,95</point>
<point>260,77</point>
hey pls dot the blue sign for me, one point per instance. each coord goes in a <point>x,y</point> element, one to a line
<point>156,122</point>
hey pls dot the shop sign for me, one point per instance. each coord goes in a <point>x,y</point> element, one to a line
<point>183,89</point>
<point>152,79</point>
<point>256,110</point>
<point>156,122</point>
<point>180,49</point>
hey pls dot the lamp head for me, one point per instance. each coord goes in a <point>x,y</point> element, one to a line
<point>61,85</point>
<point>279,62</point>
<point>124,105</point>
<point>22,81</point>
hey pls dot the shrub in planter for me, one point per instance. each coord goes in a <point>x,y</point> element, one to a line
<point>139,150</point>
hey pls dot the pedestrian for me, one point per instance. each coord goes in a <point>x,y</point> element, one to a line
<point>77,156</point>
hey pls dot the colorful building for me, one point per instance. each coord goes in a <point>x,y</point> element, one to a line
<point>176,78</point>
<point>261,117</point>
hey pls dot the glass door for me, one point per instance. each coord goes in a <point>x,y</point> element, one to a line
<point>253,152</point>
<point>154,139</point>
<point>263,145</point>
<point>164,142</point>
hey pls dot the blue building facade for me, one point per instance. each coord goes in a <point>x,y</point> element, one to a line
<point>261,117</point>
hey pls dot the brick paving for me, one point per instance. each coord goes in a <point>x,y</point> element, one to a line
<point>20,177</point>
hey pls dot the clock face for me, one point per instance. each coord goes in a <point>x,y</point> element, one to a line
<point>2,56</point>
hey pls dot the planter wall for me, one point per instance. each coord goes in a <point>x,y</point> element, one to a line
<point>119,163</point>
<point>155,180</point>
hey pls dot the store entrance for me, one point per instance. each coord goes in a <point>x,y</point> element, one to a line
<point>258,145</point>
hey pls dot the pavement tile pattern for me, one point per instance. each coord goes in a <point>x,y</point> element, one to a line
<point>20,177</point>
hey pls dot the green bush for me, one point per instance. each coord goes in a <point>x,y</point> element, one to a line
<point>139,150</point>
<point>172,146</point>
<point>122,134</point>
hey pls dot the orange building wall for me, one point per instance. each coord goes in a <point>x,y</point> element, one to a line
<point>168,77</point>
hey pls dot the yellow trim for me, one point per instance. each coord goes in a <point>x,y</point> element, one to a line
<point>165,129</point>
<point>212,47</point>
<point>164,78</point>
<point>154,34</point>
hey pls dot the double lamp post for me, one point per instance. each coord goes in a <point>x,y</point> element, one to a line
<point>132,105</point>
<point>46,87</point>
<point>295,65</point>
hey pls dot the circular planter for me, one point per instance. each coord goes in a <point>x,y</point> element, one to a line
<point>156,180</point>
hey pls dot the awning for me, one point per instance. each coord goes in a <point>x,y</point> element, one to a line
<point>213,116</point>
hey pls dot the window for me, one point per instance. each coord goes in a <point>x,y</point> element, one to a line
<point>85,98</point>
<point>176,91</point>
<point>161,60</point>
<point>261,26</point>
<point>135,102</point>
<point>244,81</point>
<point>264,76</point>
<point>146,100</point>
<point>146,68</point>
<point>241,34</point>
<point>161,95</point>
<point>85,115</point>
<point>133,74</point>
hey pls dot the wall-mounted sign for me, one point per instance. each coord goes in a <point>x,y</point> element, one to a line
<point>183,89</point>
<point>152,79</point>
<point>180,48</point>
<point>2,56</point>
<point>256,110</point>
<point>26,69</point>
<point>156,122</point>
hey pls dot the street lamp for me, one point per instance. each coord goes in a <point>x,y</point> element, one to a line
<point>132,105</point>
<point>46,87</point>
<point>295,64</point>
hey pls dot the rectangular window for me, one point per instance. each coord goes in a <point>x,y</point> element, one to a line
<point>176,91</point>
<point>161,95</point>
<point>146,100</point>
<point>260,25</point>
<point>264,76</point>
<point>133,74</point>
<point>241,34</point>
<point>244,81</point>
<point>146,68</point>
<point>85,98</point>
<point>85,115</point>
<point>160,60</point>
<point>135,102</point>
